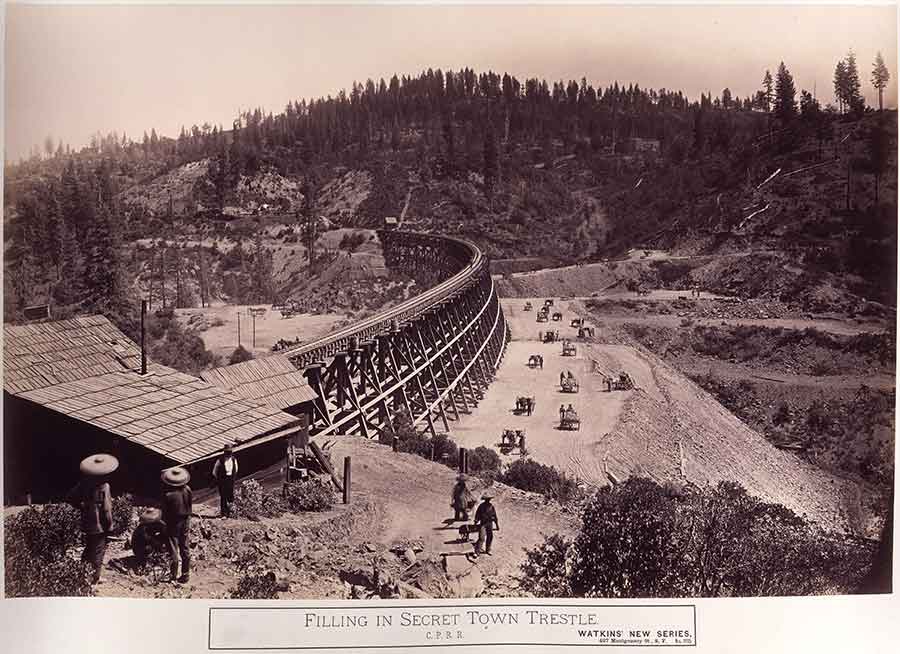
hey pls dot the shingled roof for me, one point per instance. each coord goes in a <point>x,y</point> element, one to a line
<point>49,353</point>
<point>272,379</point>
<point>176,415</point>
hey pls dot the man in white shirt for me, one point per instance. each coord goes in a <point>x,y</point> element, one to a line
<point>225,472</point>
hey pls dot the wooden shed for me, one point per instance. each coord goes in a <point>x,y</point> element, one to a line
<point>74,387</point>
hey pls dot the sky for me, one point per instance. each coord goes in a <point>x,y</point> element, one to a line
<point>71,71</point>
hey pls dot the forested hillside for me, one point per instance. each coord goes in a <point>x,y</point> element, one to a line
<point>564,170</point>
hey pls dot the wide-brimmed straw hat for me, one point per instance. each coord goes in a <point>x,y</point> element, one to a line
<point>98,465</point>
<point>175,477</point>
<point>487,496</point>
<point>150,515</point>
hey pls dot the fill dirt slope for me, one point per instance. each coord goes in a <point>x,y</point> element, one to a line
<point>571,280</point>
<point>667,428</point>
<point>672,429</point>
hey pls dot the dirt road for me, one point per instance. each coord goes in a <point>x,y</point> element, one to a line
<point>545,442</point>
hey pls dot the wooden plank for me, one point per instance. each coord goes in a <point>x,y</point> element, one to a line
<point>320,457</point>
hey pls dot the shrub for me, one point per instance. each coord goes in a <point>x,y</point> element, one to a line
<point>36,549</point>
<point>351,241</point>
<point>529,475</point>
<point>256,586</point>
<point>239,355</point>
<point>123,514</point>
<point>483,459</point>
<point>253,502</point>
<point>545,568</point>
<point>782,414</point>
<point>413,441</point>
<point>641,539</point>
<point>312,495</point>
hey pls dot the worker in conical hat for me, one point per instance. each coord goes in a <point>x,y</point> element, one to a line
<point>176,513</point>
<point>93,497</point>
<point>460,499</point>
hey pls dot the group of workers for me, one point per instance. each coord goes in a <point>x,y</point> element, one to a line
<point>169,525</point>
<point>485,515</point>
<point>566,412</point>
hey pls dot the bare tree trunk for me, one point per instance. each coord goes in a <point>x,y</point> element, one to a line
<point>162,269</point>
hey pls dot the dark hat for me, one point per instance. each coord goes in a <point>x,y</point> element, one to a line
<point>98,465</point>
<point>461,478</point>
<point>175,477</point>
<point>229,448</point>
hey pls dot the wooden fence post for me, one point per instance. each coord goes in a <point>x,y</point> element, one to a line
<point>346,480</point>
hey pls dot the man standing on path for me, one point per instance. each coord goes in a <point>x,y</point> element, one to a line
<point>225,472</point>
<point>460,499</point>
<point>176,513</point>
<point>485,520</point>
<point>93,498</point>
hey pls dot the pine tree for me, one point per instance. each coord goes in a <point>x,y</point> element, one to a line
<point>879,152</point>
<point>449,167</point>
<point>68,289</point>
<point>880,78</point>
<point>855,101</point>
<point>785,95</point>
<point>767,94</point>
<point>490,159</point>
<point>103,268</point>
<point>840,85</point>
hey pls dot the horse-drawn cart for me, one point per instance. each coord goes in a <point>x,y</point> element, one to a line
<point>557,316</point>
<point>570,421</point>
<point>622,382</point>
<point>567,382</point>
<point>511,439</point>
<point>569,349</point>
<point>524,406</point>
<point>535,361</point>
<point>528,306</point>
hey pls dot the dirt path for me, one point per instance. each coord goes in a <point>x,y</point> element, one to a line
<point>414,497</point>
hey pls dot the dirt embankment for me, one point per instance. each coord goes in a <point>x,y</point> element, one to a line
<point>553,282</point>
<point>672,429</point>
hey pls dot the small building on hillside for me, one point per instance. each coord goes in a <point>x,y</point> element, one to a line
<point>391,222</point>
<point>72,388</point>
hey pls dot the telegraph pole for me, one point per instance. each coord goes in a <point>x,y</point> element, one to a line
<point>239,328</point>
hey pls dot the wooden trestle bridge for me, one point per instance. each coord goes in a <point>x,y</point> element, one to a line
<point>432,356</point>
